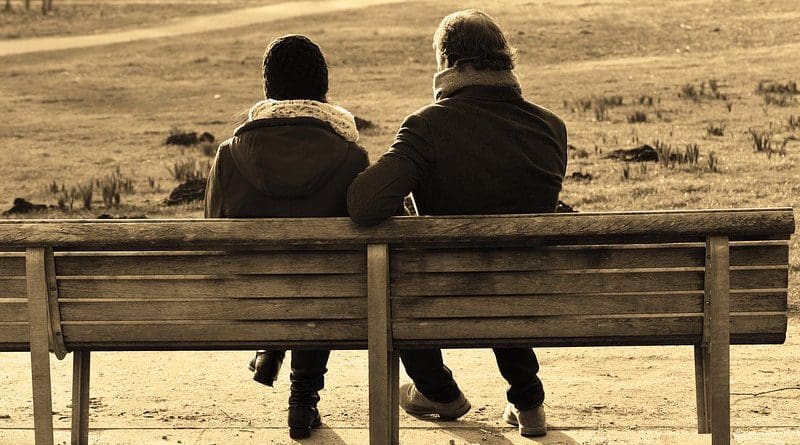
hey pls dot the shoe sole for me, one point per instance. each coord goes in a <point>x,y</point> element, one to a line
<point>454,415</point>
<point>526,431</point>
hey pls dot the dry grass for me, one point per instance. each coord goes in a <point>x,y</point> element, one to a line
<point>381,69</point>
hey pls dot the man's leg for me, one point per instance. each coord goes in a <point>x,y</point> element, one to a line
<point>525,392</point>
<point>519,367</point>
<point>431,377</point>
<point>308,378</point>
<point>434,390</point>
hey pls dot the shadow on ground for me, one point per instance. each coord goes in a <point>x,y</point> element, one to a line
<point>477,432</point>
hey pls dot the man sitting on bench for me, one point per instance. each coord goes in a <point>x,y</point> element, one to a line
<point>480,148</point>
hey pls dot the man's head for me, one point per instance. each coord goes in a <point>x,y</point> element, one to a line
<point>474,38</point>
<point>294,68</point>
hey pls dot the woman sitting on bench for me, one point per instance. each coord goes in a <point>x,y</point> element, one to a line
<point>294,157</point>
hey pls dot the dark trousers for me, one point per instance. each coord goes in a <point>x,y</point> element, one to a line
<point>435,380</point>
<point>307,377</point>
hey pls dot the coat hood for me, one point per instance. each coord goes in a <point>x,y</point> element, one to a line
<point>290,149</point>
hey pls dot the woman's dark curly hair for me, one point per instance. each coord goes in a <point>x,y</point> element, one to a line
<point>473,37</point>
<point>295,68</point>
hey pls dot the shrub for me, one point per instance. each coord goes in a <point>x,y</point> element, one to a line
<point>770,87</point>
<point>706,90</point>
<point>713,162</point>
<point>669,157</point>
<point>780,99</point>
<point>762,140</point>
<point>626,172</point>
<point>715,129</point>
<point>600,112</point>
<point>598,104</point>
<point>637,117</point>
<point>646,100</point>
<point>112,187</point>
<point>86,193</point>
<point>793,123</point>
<point>189,169</point>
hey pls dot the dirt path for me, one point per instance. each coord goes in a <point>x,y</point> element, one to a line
<point>214,22</point>
<point>623,395</point>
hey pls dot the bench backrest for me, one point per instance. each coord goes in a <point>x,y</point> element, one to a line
<point>580,295</point>
<point>587,279</point>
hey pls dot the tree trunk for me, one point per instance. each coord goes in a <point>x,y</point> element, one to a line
<point>8,5</point>
<point>27,5</point>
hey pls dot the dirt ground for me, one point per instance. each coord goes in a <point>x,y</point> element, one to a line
<point>619,395</point>
<point>71,116</point>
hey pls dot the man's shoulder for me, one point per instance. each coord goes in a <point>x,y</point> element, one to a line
<point>545,113</point>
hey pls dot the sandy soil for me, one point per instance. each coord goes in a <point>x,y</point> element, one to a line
<point>594,396</point>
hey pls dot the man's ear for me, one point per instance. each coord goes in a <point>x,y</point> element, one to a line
<point>441,61</point>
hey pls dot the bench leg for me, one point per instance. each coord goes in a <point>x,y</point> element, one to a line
<point>80,397</point>
<point>394,390</point>
<point>42,399</point>
<point>720,394</point>
<point>701,382</point>
<point>716,333</point>
<point>39,345</point>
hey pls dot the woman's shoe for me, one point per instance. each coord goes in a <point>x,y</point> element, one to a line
<point>266,365</point>
<point>301,420</point>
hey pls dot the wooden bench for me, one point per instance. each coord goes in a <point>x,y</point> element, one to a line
<point>699,278</point>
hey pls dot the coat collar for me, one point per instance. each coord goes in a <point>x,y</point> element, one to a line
<point>446,83</point>
<point>282,112</point>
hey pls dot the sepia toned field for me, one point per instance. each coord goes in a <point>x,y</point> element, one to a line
<point>621,73</point>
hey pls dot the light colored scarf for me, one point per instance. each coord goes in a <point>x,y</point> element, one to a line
<point>341,120</point>
<point>447,82</point>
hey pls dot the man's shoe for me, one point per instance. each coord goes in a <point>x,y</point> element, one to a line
<point>416,404</point>
<point>531,422</point>
<point>301,420</point>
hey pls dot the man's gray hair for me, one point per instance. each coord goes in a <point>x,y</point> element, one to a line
<point>473,37</point>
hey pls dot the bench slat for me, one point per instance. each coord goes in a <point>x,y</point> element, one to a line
<point>566,304</point>
<point>13,287</point>
<point>216,309</point>
<point>687,224</point>
<point>14,333</point>
<point>210,262</point>
<point>231,287</point>
<point>13,309</point>
<point>12,264</point>
<point>644,326</point>
<point>214,331</point>
<point>578,257</point>
<point>552,282</point>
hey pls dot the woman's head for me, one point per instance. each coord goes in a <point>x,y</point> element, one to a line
<point>472,37</point>
<point>295,68</point>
